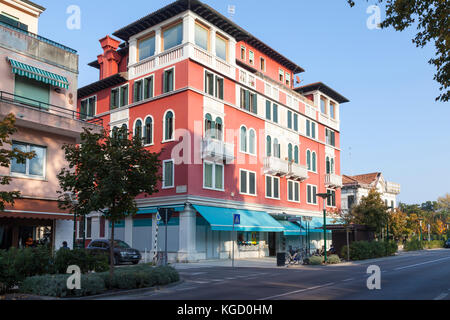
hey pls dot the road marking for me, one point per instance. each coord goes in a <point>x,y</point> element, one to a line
<point>422,263</point>
<point>199,282</point>
<point>350,279</point>
<point>298,291</point>
<point>441,296</point>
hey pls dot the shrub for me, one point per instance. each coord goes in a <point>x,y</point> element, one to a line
<point>81,258</point>
<point>362,250</point>
<point>333,259</point>
<point>413,245</point>
<point>434,244</point>
<point>316,260</point>
<point>56,286</point>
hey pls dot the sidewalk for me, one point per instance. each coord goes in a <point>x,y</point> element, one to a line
<point>267,262</point>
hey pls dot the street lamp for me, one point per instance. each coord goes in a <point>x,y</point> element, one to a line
<point>324,196</point>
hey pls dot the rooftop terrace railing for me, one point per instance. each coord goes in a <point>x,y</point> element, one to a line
<point>49,108</point>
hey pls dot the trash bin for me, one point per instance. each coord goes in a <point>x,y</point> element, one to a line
<point>281,259</point>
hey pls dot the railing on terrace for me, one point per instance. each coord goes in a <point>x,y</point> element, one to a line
<point>49,108</point>
<point>38,37</point>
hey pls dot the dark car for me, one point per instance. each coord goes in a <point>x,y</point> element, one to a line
<point>122,251</point>
<point>447,244</point>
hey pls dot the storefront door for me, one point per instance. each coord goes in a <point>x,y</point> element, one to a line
<point>212,244</point>
<point>272,244</point>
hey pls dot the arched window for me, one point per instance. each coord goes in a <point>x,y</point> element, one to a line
<point>290,156</point>
<point>219,129</point>
<point>168,126</point>
<point>123,134</point>
<point>276,148</point>
<point>115,131</point>
<point>296,154</point>
<point>148,132</point>
<point>328,165</point>
<point>208,126</point>
<point>138,128</point>
<point>269,146</point>
<point>243,139</point>
<point>252,141</point>
<point>308,160</point>
<point>314,162</point>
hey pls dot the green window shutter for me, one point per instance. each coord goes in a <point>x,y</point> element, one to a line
<point>219,177</point>
<point>247,100</point>
<point>308,128</point>
<point>208,175</point>
<point>296,122</point>
<point>275,113</point>
<point>255,104</point>
<point>32,92</point>
<point>268,110</point>
<point>289,119</point>
<point>333,137</point>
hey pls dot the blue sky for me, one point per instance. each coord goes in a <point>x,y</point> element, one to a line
<point>392,123</point>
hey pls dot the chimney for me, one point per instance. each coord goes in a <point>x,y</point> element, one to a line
<point>109,60</point>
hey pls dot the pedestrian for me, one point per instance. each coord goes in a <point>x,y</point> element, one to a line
<point>65,246</point>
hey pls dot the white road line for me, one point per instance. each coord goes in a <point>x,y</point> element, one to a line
<point>297,291</point>
<point>350,279</point>
<point>422,263</point>
<point>199,282</point>
<point>441,296</point>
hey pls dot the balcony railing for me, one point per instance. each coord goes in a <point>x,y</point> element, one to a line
<point>213,149</point>
<point>333,181</point>
<point>276,166</point>
<point>298,171</point>
<point>48,108</point>
<point>392,187</point>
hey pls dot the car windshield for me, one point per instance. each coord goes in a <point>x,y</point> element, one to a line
<point>120,244</point>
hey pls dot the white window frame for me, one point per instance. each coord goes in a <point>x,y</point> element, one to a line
<point>247,139</point>
<point>293,190</point>
<point>214,89</point>
<point>142,128</point>
<point>265,64</point>
<point>164,174</point>
<point>85,229</point>
<point>164,127</point>
<point>273,178</point>
<point>312,193</point>
<point>214,164</point>
<point>153,130</point>
<point>174,81</point>
<point>95,104</point>
<point>250,53</point>
<point>247,177</point>
<point>245,53</point>
<point>153,86</point>
<point>27,163</point>
<point>120,96</point>
<point>331,190</point>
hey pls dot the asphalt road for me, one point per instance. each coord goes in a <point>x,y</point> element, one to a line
<point>412,276</point>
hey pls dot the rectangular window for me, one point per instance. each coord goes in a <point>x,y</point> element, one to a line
<point>114,101</point>
<point>268,110</point>
<point>243,55</point>
<point>293,191</point>
<point>251,57</point>
<point>330,137</point>
<point>248,182</point>
<point>296,122</point>
<point>219,88</point>
<point>138,94</point>
<point>310,129</point>
<point>213,176</point>
<point>209,83</point>
<point>31,167</point>
<point>168,80</point>
<point>87,108</point>
<point>331,200</point>
<point>168,174</point>
<point>202,36</point>
<point>272,187</point>
<point>172,36</point>
<point>88,228</point>
<point>288,79</point>
<point>148,87</point>
<point>123,96</point>
<point>263,64</point>
<point>289,119</point>
<point>146,47</point>
<point>249,101</point>
<point>350,201</point>
<point>312,194</point>
<point>332,110</point>
<point>275,113</point>
<point>281,75</point>
<point>221,47</point>
<point>323,107</point>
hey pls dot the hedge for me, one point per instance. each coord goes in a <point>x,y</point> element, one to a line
<point>143,276</point>
<point>414,245</point>
<point>362,250</point>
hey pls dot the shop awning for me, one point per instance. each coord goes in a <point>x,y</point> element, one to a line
<point>31,72</point>
<point>35,215</point>
<point>221,219</point>
<point>152,210</point>
<point>316,225</point>
<point>291,228</point>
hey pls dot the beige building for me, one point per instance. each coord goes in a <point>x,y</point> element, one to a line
<point>38,84</point>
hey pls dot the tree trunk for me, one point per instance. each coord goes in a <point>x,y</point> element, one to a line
<point>111,252</point>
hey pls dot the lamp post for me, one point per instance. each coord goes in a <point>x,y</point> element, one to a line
<point>420,230</point>
<point>324,196</point>
<point>70,197</point>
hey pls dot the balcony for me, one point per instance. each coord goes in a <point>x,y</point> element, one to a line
<point>333,181</point>
<point>276,166</point>
<point>392,187</point>
<point>297,172</point>
<point>216,150</point>
<point>38,47</point>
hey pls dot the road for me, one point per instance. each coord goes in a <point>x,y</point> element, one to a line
<point>413,276</point>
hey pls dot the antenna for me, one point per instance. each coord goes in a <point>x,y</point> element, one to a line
<point>231,10</point>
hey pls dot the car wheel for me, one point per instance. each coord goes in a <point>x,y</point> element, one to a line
<point>135,262</point>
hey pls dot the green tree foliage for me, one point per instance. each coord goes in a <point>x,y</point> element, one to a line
<point>106,173</point>
<point>7,128</point>
<point>431,18</point>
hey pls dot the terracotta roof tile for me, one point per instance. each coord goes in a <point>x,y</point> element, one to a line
<point>368,178</point>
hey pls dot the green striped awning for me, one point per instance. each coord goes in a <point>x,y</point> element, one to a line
<point>28,71</point>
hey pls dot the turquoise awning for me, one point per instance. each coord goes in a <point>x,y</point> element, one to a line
<point>31,72</point>
<point>221,219</point>
<point>316,225</point>
<point>152,210</point>
<point>291,228</point>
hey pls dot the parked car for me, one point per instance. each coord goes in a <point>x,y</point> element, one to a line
<point>122,251</point>
<point>447,244</point>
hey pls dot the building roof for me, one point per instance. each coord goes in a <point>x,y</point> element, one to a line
<point>210,15</point>
<point>364,179</point>
<point>320,86</point>
<point>113,80</point>
<point>34,5</point>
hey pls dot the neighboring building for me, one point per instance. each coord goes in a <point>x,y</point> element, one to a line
<point>356,187</point>
<point>253,144</point>
<point>38,84</point>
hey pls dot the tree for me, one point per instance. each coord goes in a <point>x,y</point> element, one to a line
<point>433,25</point>
<point>371,211</point>
<point>106,173</point>
<point>398,221</point>
<point>7,128</point>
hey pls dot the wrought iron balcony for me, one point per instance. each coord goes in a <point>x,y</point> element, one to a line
<point>276,166</point>
<point>213,149</point>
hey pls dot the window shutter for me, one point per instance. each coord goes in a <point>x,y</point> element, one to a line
<point>247,100</point>
<point>268,110</point>
<point>255,103</point>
